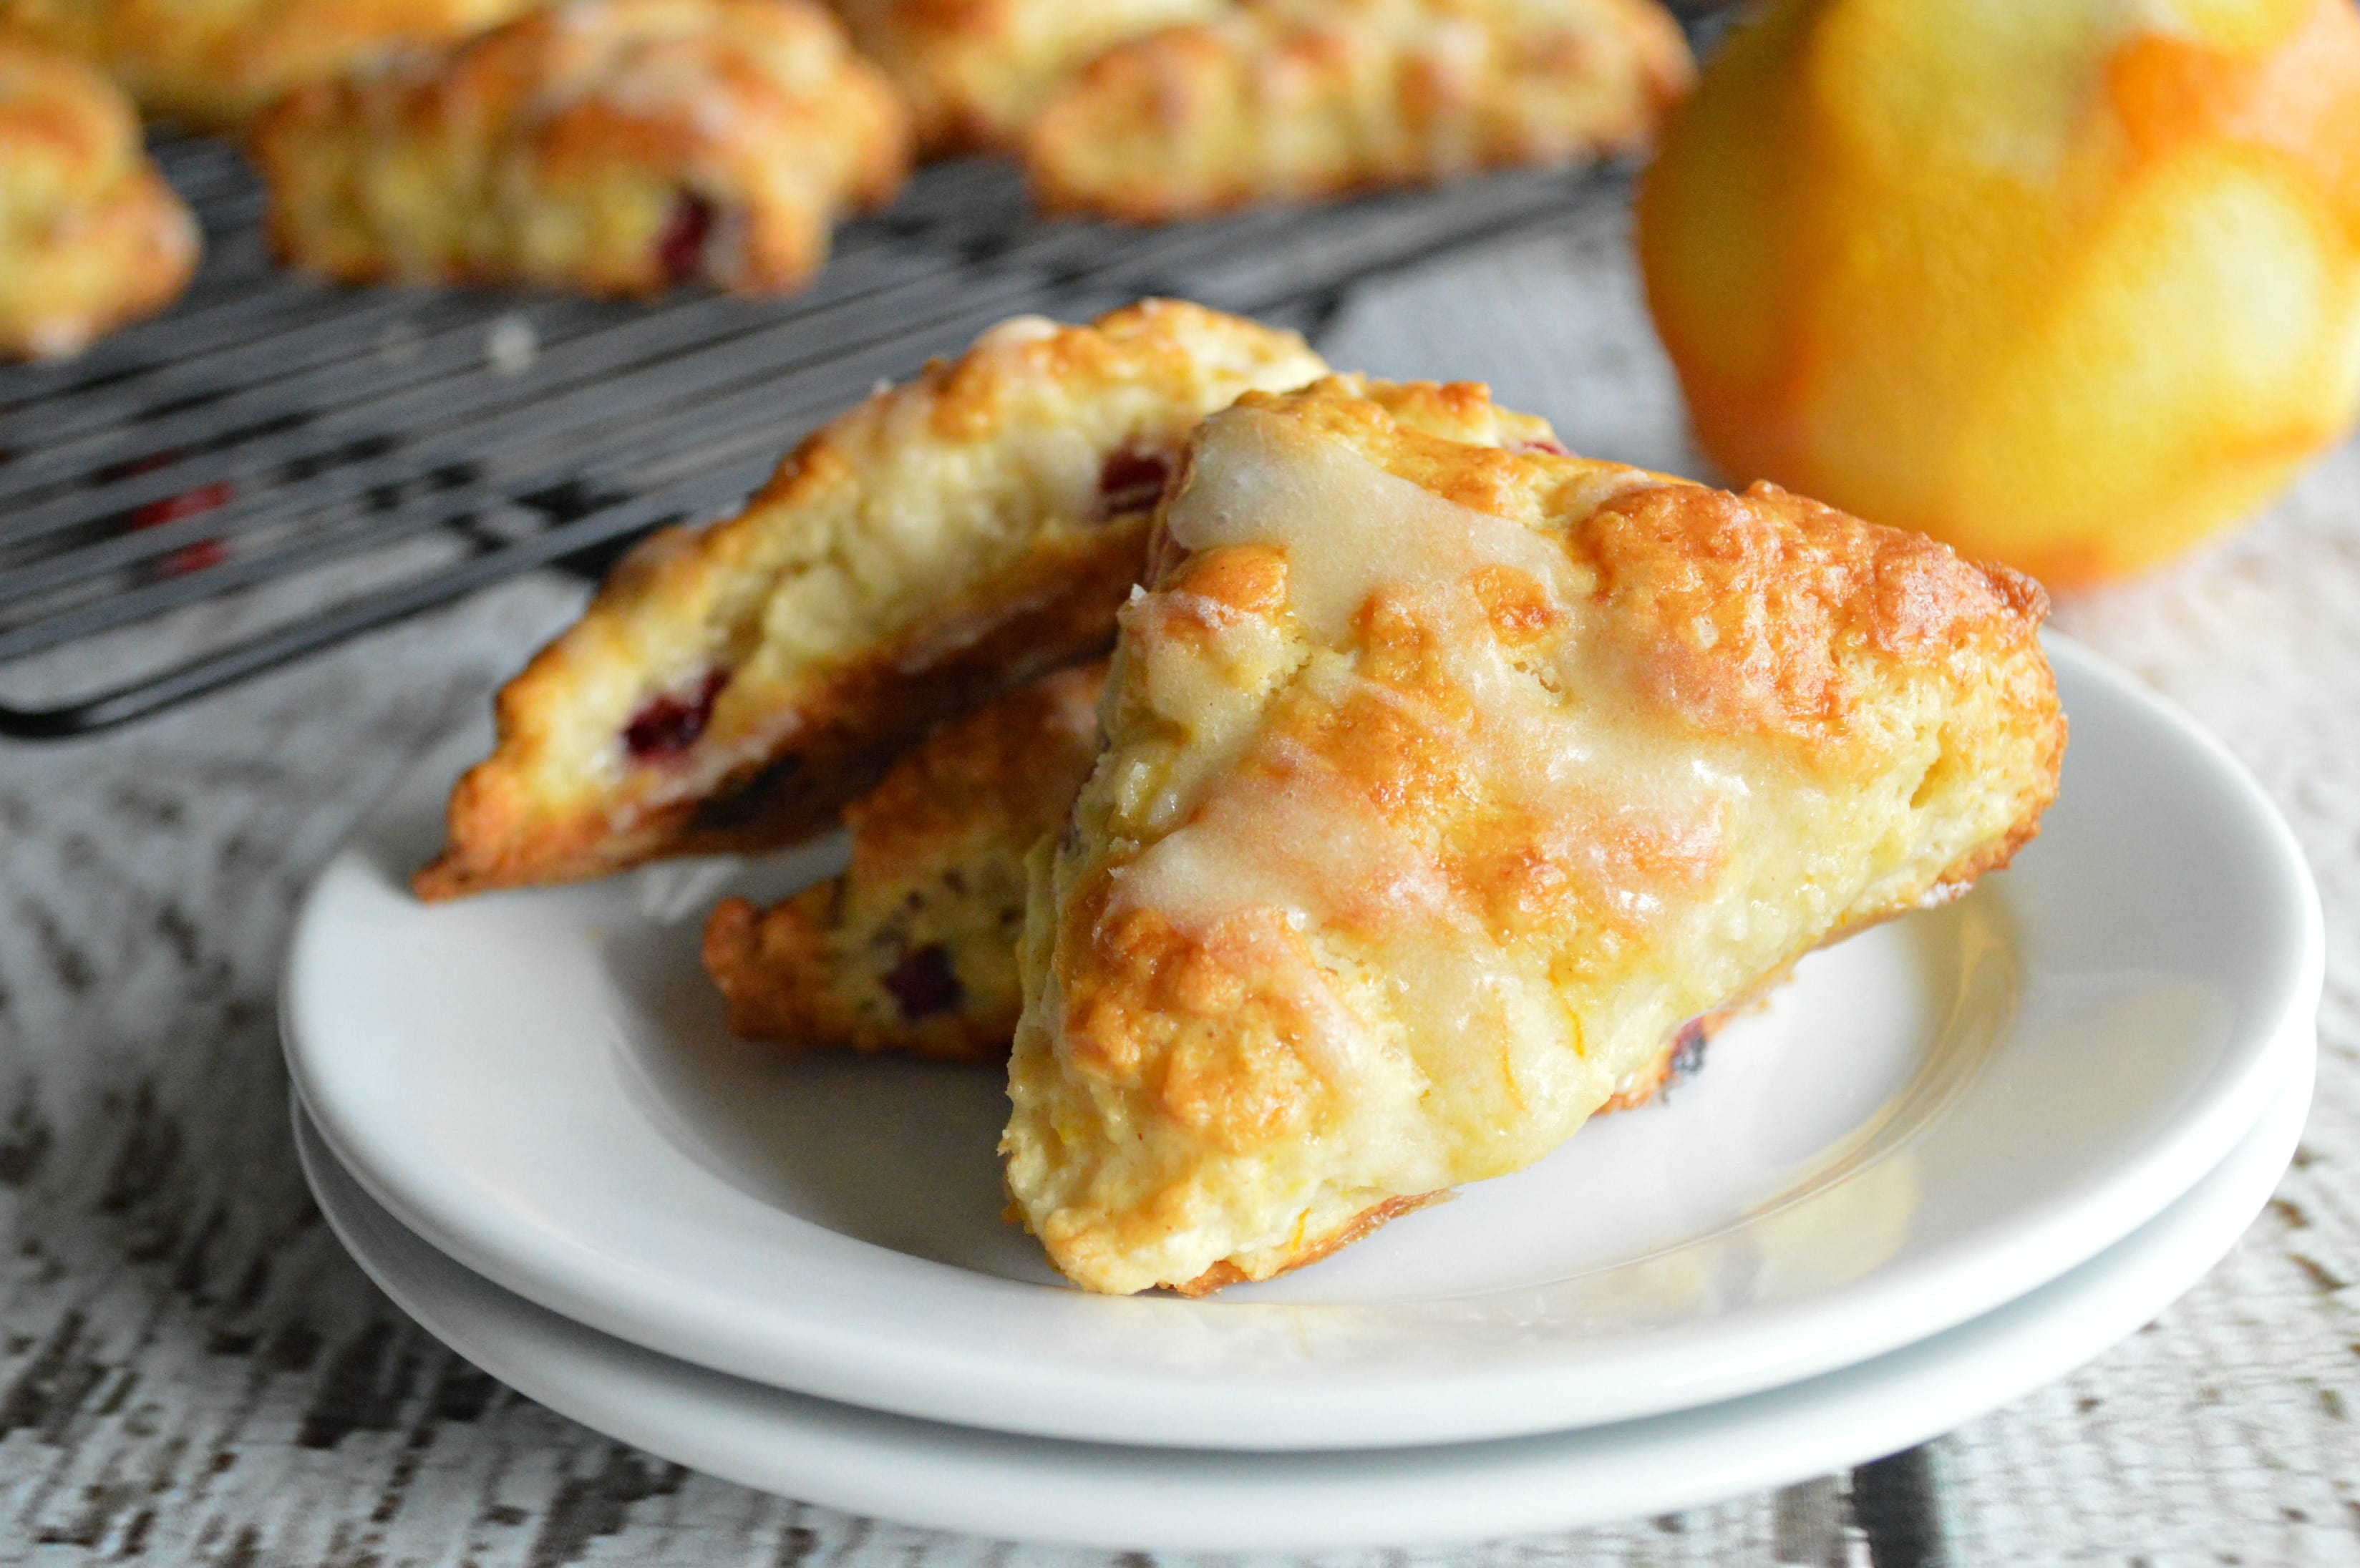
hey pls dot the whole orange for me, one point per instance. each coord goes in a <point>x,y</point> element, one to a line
<point>2069,283</point>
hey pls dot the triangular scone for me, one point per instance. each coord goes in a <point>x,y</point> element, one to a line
<point>1441,784</point>
<point>732,686</point>
<point>913,948</point>
<point>1296,99</point>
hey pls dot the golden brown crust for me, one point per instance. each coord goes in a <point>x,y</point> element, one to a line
<point>612,147</point>
<point>1301,99</point>
<point>1438,777</point>
<point>91,236</point>
<point>973,72</point>
<point>1751,606</point>
<point>913,948</point>
<point>1224,1274</point>
<point>948,540</point>
<point>212,65</point>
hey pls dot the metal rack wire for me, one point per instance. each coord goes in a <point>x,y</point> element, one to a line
<point>331,461</point>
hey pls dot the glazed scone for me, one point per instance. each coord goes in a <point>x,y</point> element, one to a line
<point>609,147</point>
<point>973,72</point>
<point>1442,783</point>
<point>913,948</point>
<point>731,687</point>
<point>91,236</point>
<point>1299,99</point>
<point>210,65</point>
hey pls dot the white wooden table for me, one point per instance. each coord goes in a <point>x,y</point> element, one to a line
<point>192,1370</point>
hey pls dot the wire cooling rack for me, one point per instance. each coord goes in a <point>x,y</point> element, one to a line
<point>277,466</point>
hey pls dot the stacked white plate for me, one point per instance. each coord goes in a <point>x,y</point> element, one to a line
<point>1958,1156</point>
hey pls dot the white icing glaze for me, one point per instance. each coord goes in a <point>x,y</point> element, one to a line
<point>1347,526</point>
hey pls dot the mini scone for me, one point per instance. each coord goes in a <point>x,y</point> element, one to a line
<point>210,66</point>
<point>90,234</point>
<point>913,948</point>
<point>1299,99</point>
<point>731,687</point>
<point>609,147</point>
<point>973,72</point>
<point>1442,783</point>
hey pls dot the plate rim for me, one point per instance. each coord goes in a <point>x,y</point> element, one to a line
<point>1374,1406</point>
<point>1485,1488</point>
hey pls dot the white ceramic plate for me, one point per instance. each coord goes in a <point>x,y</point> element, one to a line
<point>1934,1118</point>
<point>1179,1499</point>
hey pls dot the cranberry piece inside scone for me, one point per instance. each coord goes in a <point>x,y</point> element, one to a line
<point>681,250</point>
<point>1688,1048</point>
<point>1130,480</point>
<point>668,725</point>
<point>1549,447</point>
<point>923,984</point>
